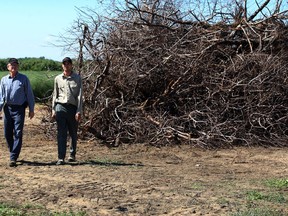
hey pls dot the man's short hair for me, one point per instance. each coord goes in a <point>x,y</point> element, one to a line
<point>67,59</point>
<point>13,61</point>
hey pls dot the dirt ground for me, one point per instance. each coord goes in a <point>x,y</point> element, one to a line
<point>139,179</point>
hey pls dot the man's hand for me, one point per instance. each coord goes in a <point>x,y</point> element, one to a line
<point>31,115</point>
<point>78,117</point>
<point>53,116</point>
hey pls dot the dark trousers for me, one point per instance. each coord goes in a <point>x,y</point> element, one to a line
<point>14,117</point>
<point>66,122</point>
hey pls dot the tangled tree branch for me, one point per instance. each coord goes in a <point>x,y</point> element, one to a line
<point>168,80</point>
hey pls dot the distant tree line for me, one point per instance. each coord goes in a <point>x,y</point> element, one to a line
<point>34,64</point>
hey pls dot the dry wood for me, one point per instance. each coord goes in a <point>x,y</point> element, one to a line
<point>161,80</point>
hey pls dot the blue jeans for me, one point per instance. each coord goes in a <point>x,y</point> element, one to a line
<point>14,117</point>
<point>66,122</point>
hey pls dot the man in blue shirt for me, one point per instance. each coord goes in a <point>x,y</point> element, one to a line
<point>15,95</point>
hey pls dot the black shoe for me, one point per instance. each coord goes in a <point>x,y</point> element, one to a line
<point>12,163</point>
<point>71,159</point>
<point>60,162</point>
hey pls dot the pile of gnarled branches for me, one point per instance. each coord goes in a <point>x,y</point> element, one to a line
<point>208,85</point>
<point>158,80</point>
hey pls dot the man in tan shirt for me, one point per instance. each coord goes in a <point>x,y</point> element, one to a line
<point>67,109</point>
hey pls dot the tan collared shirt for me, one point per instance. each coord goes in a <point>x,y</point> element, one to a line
<point>68,90</point>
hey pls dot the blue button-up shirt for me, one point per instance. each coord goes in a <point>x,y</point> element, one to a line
<point>16,91</point>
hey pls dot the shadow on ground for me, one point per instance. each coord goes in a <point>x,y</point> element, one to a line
<point>91,162</point>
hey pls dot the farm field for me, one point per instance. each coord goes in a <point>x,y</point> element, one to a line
<point>41,75</point>
<point>41,81</point>
<point>142,180</point>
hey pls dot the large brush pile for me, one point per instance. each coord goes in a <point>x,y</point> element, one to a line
<point>206,85</point>
<point>164,81</point>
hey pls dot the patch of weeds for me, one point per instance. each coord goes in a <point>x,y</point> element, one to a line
<point>277,198</point>
<point>258,212</point>
<point>32,206</point>
<point>277,183</point>
<point>272,197</point>
<point>35,210</point>
<point>255,195</point>
<point>9,210</point>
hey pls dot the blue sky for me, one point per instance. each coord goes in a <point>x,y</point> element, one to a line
<point>28,27</point>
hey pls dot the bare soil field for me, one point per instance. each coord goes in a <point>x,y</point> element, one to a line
<point>140,179</point>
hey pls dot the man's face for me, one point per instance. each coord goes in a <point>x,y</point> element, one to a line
<point>67,66</point>
<point>13,67</point>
